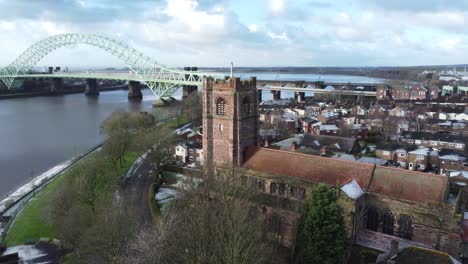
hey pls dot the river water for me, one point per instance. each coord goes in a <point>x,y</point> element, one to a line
<point>38,133</point>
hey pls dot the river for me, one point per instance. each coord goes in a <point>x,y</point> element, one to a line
<point>37,133</point>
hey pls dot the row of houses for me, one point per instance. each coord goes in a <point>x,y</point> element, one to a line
<point>189,149</point>
<point>434,140</point>
<point>418,91</point>
<point>423,159</point>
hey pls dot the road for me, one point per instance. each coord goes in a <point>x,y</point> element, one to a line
<point>134,190</point>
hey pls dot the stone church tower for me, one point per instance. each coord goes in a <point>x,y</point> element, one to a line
<point>230,117</point>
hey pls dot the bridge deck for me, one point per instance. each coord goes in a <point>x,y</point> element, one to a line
<point>164,79</point>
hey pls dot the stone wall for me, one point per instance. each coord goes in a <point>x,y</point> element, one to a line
<point>434,225</point>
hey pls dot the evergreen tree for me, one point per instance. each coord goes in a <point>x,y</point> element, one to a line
<point>322,233</point>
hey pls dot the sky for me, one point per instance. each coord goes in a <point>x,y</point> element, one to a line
<point>247,32</point>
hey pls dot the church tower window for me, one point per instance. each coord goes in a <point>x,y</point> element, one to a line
<point>220,106</point>
<point>246,106</point>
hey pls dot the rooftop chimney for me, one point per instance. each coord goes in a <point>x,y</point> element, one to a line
<point>294,146</point>
<point>393,248</point>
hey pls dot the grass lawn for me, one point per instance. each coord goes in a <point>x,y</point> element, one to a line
<point>174,123</point>
<point>32,222</point>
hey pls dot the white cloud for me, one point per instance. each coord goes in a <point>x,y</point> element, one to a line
<point>277,7</point>
<point>253,28</point>
<point>186,13</point>
<point>7,25</point>
<point>281,36</point>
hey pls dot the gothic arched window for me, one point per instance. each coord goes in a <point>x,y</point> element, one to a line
<point>406,226</point>
<point>388,222</point>
<point>220,106</point>
<point>372,215</point>
<point>246,105</point>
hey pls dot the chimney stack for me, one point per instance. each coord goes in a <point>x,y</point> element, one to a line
<point>393,248</point>
<point>294,146</point>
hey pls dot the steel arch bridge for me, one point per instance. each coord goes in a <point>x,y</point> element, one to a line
<point>161,80</point>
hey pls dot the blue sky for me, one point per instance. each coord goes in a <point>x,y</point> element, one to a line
<point>248,32</point>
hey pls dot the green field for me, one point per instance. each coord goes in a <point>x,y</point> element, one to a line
<point>174,123</point>
<point>32,222</point>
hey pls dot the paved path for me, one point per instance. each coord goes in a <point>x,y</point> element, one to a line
<point>135,189</point>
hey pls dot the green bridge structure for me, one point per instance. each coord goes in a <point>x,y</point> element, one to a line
<point>162,81</point>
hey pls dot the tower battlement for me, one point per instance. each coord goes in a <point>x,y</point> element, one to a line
<point>230,83</point>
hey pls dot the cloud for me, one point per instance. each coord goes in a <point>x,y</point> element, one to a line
<point>415,5</point>
<point>215,32</point>
<point>277,7</point>
<point>252,28</point>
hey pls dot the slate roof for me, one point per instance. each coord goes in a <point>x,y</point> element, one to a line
<point>317,141</point>
<point>435,137</point>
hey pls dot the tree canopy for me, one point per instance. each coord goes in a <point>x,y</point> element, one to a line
<point>322,233</point>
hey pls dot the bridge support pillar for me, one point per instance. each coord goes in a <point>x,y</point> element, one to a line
<point>299,97</point>
<point>276,95</point>
<point>134,90</point>
<point>56,85</point>
<point>91,87</point>
<point>189,89</point>
<point>259,95</point>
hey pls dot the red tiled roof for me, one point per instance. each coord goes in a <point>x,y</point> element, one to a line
<point>307,167</point>
<point>397,183</point>
<point>409,185</point>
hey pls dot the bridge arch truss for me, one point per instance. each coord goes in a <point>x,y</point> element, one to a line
<point>161,80</point>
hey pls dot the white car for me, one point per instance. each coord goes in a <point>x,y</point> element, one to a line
<point>191,165</point>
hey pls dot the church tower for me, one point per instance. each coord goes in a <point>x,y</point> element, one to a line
<point>230,114</point>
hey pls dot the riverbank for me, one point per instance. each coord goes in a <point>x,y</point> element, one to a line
<point>33,221</point>
<point>31,225</point>
<point>14,203</point>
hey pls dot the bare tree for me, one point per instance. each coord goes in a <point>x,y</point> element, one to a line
<point>106,239</point>
<point>215,221</point>
<point>118,128</point>
<point>158,142</point>
<point>390,127</point>
<point>219,223</point>
<point>153,244</point>
<point>193,107</point>
<point>89,180</point>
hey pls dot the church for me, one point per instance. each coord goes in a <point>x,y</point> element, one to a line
<point>381,205</point>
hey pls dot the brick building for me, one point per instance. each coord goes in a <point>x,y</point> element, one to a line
<point>410,92</point>
<point>230,119</point>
